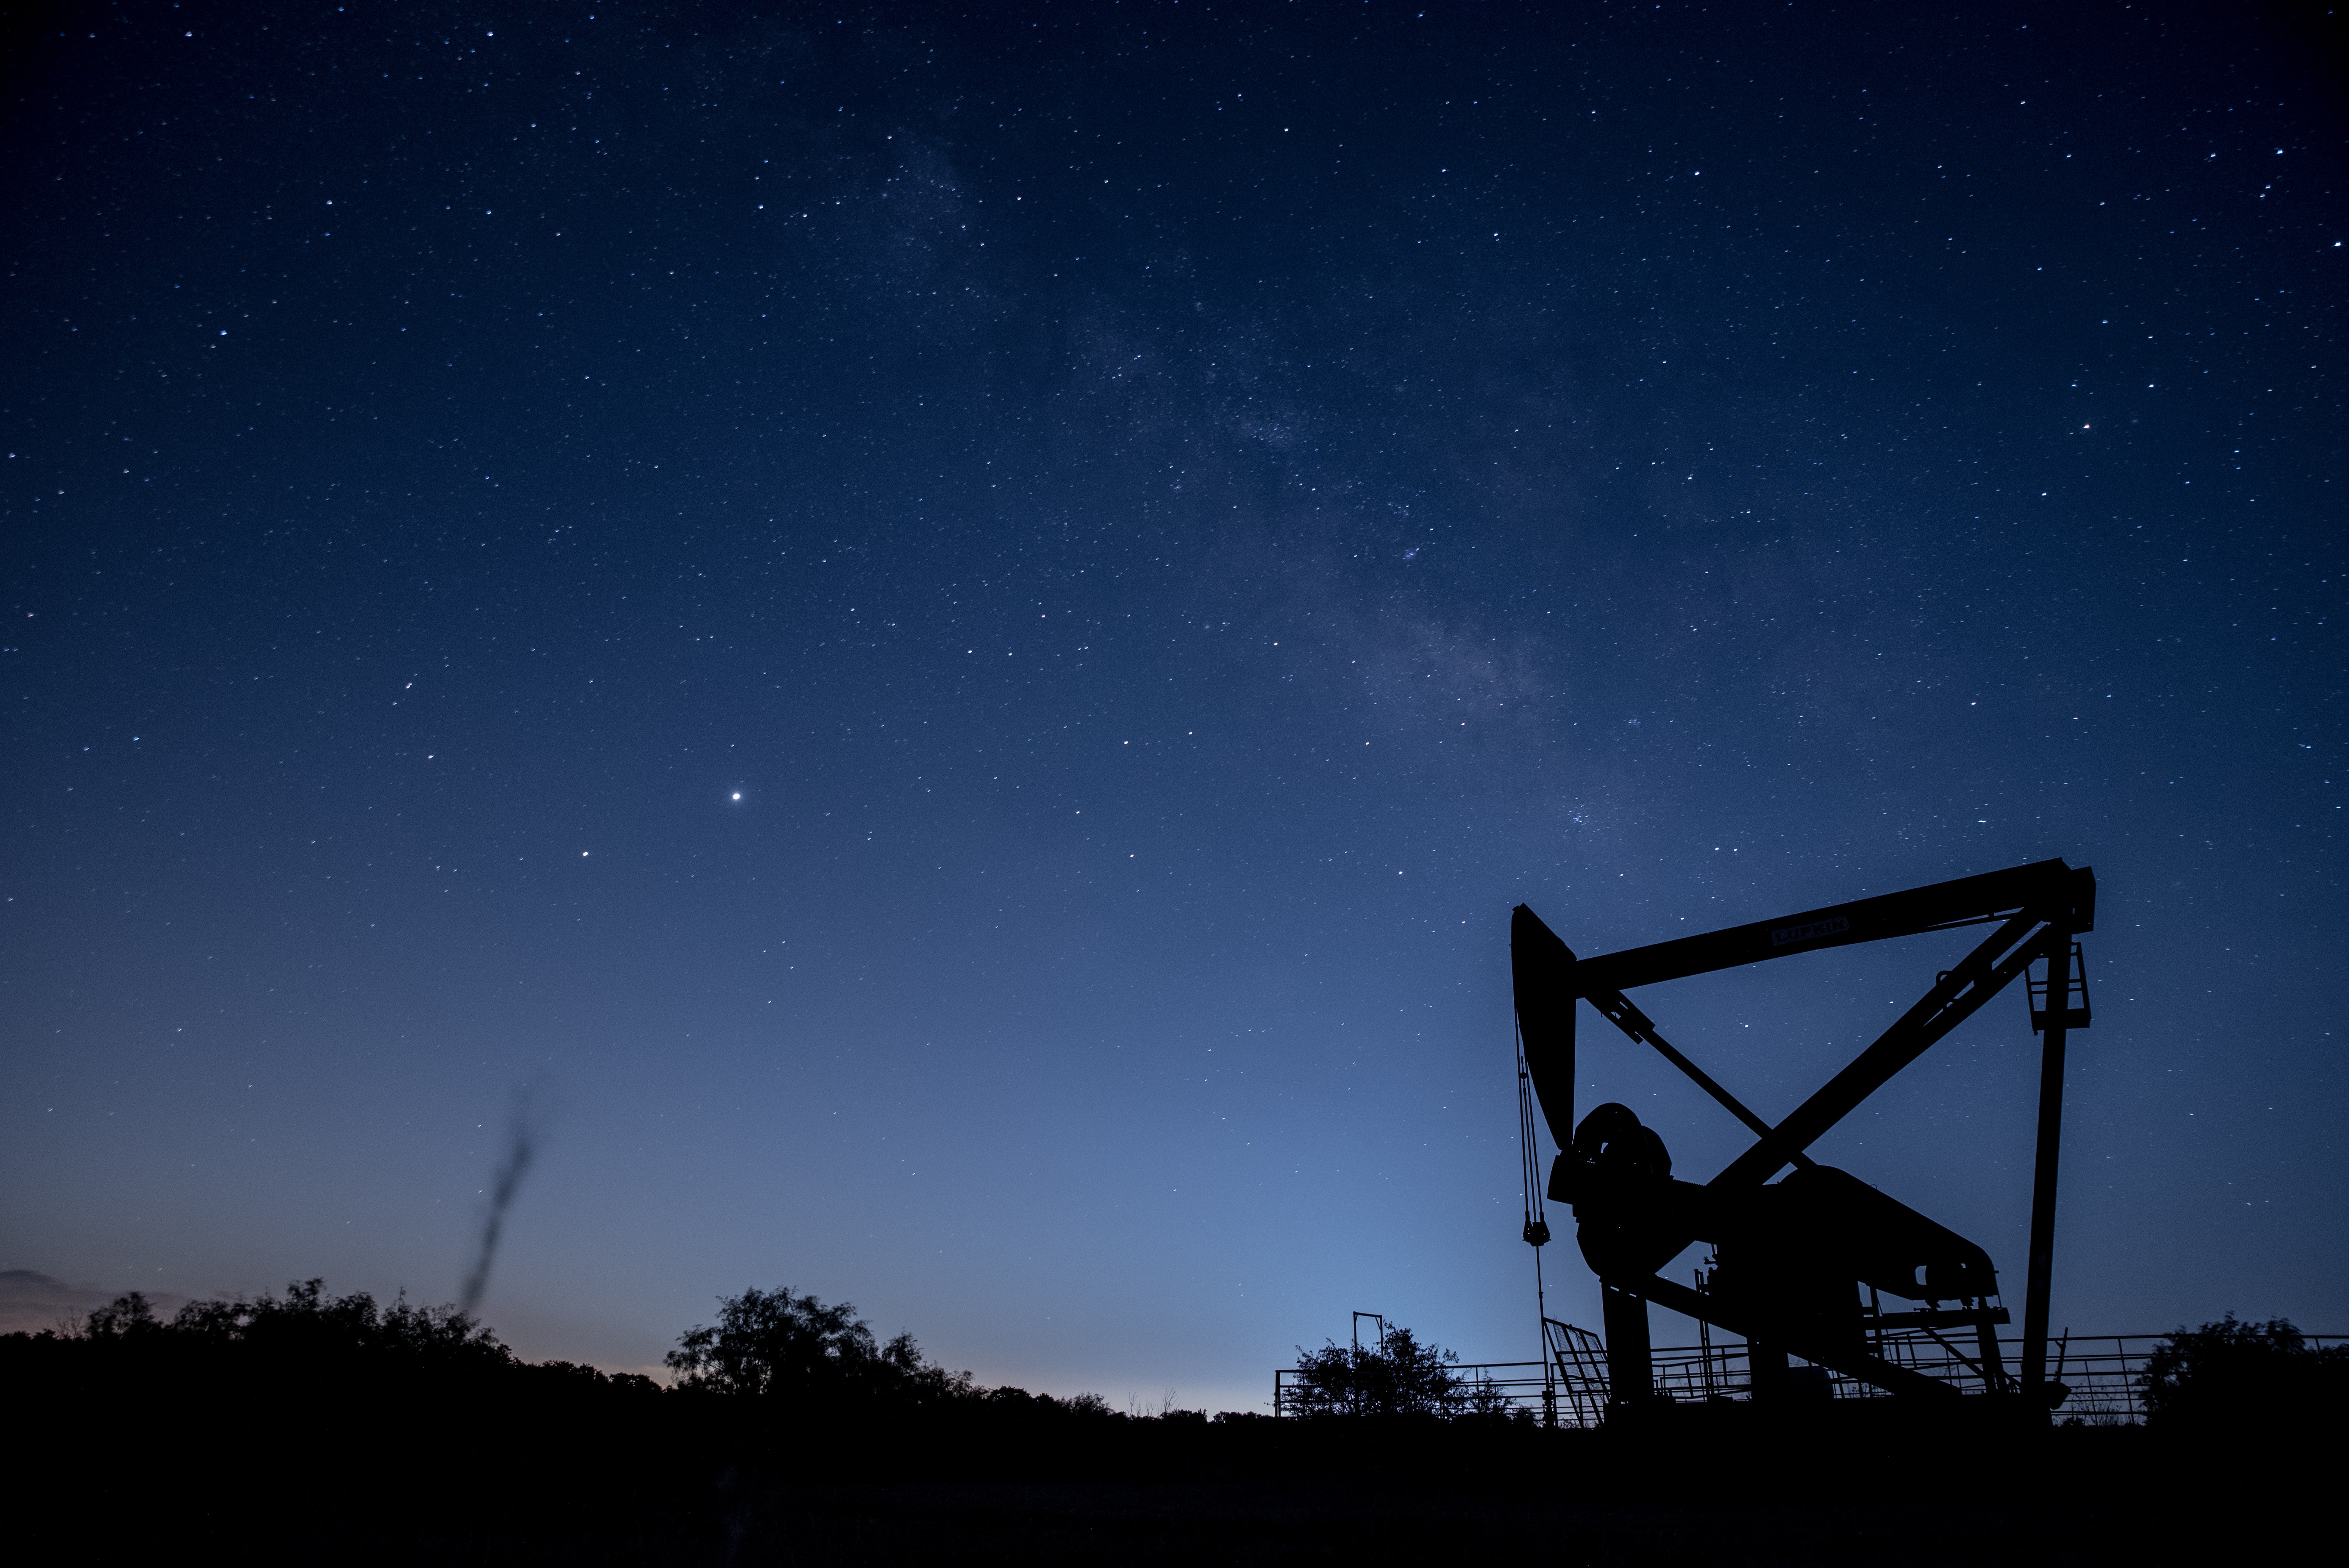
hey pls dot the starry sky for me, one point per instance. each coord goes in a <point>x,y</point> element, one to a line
<point>938,639</point>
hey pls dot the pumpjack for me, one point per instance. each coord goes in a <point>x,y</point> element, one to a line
<point>1792,1254</point>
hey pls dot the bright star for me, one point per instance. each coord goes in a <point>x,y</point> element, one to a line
<point>738,794</point>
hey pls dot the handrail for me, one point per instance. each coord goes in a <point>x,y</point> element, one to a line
<point>2102,1373</point>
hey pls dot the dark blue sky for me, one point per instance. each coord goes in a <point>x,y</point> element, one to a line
<point>951,635</point>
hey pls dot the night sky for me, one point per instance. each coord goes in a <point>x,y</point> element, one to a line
<point>940,638</point>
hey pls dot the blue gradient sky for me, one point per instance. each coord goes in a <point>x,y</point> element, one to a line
<point>1172,519</point>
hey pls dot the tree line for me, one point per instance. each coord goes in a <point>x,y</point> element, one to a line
<point>776,1350</point>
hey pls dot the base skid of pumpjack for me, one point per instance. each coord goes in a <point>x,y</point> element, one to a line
<point>1800,1419</point>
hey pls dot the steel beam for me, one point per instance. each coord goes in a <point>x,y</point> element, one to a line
<point>1618,1010</point>
<point>1958,995</point>
<point>1630,1355</point>
<point>1871,1370</point>
<point>1968,900</point>
<point>2056,943</point>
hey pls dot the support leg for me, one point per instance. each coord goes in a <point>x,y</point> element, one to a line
<point>1765,1370</point>
<point>2034,1369</point>
<point>1993,1363</point>
<point>1631,1363</point>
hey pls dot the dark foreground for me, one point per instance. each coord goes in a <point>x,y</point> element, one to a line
<point>124,1453</point>
<point>1381,1520</point>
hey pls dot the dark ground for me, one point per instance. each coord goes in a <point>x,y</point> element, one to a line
<point>476,1485</point>
<point>1382,1520</point>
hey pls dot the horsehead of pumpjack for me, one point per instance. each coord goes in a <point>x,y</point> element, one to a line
<point>1791,1253</point>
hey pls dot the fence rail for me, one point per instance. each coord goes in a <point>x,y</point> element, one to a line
<point>2104,1373</point>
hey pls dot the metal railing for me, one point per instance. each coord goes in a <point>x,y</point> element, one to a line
<point>2104,1373</point>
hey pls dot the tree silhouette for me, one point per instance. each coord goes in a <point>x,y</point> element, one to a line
<point>776,1344</point>
<point>307,1323</point>
<point>2236,1374</point>
<point>1397,1375</point>
<point>122,1318</point>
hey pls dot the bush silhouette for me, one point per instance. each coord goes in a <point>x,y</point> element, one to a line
<point>2233,1374</point>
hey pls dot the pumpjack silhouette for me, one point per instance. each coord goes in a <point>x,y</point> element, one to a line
<point>1792,1253</point>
